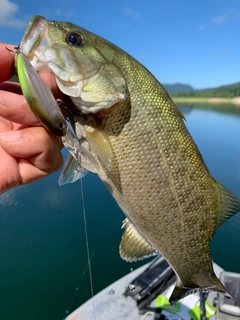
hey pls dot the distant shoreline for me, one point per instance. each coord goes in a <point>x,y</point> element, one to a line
<point>215,100</point>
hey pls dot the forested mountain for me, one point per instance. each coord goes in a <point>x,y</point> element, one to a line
<point>178,88</point>
<point>227,91</point>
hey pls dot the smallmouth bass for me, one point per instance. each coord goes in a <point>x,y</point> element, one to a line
<point>133,136</point>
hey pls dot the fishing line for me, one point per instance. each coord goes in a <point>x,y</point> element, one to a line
<point>77,287</point>
<point>87,246</point>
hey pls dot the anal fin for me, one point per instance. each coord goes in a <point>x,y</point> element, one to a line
<point>133,247</point>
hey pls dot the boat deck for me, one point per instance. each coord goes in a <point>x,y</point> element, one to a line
<point>112,303</point>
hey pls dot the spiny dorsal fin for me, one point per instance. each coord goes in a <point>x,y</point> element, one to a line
<point>229,204</point>
<point>133,247</point>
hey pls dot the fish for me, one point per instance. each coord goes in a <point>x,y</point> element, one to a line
<point>134,137</point>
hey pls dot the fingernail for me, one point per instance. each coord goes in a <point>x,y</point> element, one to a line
<point>9,136</point>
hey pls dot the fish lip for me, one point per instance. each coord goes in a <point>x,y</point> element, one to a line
<point>34,35</point>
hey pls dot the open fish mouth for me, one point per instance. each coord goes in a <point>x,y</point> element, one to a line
<point>35,40</point>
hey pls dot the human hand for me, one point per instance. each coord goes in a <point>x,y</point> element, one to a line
<point>28,152</point>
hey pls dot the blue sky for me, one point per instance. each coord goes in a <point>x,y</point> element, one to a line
<point>192,42</point>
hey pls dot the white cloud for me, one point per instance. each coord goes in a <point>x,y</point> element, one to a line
<point>8,8</point>
<point>220,18</point>
<point>7,15</point>
<point>131,13</point>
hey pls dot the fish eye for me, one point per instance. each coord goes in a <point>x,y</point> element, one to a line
<point>74,39</point>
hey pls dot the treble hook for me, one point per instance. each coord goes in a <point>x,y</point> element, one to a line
<point>15,49</point>
<point>70,117</point>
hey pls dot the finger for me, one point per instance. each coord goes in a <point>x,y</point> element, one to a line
<point>14,107</point>
<point>5,125</point>
<point>6,62</point>
<point>13,87</point>
<point>37,150</point>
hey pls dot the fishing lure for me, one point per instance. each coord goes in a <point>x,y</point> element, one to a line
<point>39,97</point>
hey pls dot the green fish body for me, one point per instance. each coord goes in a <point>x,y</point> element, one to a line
<point>135,139</point>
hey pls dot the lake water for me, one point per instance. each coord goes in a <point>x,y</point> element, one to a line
<point>42,242</point>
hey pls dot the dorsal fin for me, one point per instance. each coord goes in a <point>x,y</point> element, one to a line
<point>229,204</point>
<point>133,247</point>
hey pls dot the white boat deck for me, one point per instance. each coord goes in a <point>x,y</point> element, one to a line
<point>111,304</point>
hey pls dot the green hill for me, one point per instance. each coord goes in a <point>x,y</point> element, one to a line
<point>228,91</point>
<point>178,88</point>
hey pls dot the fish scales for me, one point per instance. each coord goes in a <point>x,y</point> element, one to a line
<point>141,150</point>
<point>147,185</point>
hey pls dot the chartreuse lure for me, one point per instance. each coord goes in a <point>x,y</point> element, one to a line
<point>39,97</point>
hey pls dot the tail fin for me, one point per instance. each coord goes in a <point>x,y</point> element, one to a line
<point>179,292</point>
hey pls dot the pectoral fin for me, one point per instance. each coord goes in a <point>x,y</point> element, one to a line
<point>71,171</point>
<point>83,157</point>
<point>133,247</point>
<point>100,144</point>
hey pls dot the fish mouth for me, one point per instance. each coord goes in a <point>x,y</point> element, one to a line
<point>35,40</point>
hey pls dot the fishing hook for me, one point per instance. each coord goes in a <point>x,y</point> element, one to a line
<point>70,117</point>
<point>15,49</point>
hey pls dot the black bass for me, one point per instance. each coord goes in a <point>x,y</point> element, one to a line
<point>133,136</point>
